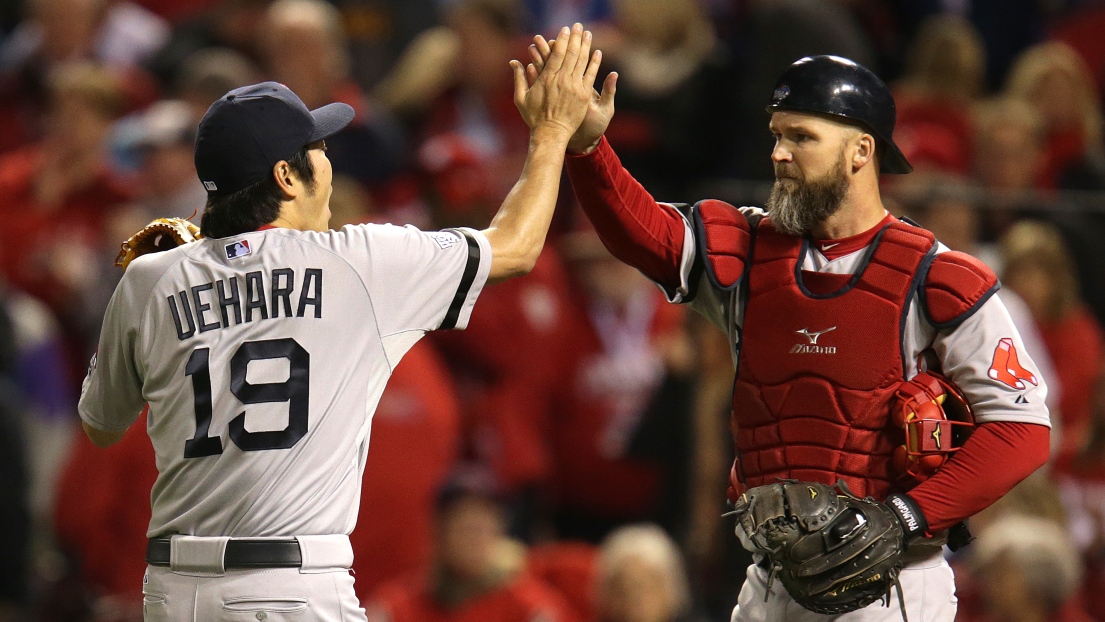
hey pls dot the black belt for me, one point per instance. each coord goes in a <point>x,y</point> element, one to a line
<point>243,553</point>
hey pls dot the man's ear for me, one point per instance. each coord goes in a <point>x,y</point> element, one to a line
<point>286,179</point>
<point>864,152</point>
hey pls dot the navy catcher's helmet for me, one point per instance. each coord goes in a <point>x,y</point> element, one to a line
<point>843,88</point>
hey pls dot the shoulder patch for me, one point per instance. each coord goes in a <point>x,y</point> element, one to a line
<point>955,286</point>
<point>445,239</point>
<point>724,238</point>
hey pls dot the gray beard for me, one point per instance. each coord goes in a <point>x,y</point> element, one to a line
<point>796,206</point>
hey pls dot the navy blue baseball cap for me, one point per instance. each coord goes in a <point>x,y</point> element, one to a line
<point>246,132</point>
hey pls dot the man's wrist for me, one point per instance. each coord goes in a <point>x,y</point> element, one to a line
<point>576,150</point>
<point>550,134</point>
<point>914,524</point>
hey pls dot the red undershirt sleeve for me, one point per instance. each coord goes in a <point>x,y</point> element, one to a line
<point>632,225</point>
<point>996,458</point>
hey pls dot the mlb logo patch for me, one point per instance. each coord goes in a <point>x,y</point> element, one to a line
<point>237,249</point>
<point>210,186</point>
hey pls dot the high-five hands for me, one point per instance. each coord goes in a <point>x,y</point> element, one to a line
<point>556,99</point>
<point>600,108</point>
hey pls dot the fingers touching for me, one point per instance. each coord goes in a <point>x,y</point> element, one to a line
<point>587,64</point>
<point>559,50</point>
<point>584,55</point>
<point>571,50</point>
<point>592,69</point>
<point>540,50</point>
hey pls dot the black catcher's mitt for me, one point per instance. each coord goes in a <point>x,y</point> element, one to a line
<point>834,552</point>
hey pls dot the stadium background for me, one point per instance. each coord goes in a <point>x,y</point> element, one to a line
<point>577,403</point>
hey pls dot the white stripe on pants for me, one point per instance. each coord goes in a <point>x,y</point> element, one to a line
<point>927,584</point>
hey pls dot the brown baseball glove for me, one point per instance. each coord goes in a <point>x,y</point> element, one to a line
<point>160,235</point>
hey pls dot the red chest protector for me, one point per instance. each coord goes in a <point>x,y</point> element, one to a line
<point>817,373</point>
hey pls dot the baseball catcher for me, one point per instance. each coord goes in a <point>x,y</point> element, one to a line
<point>854,461</point>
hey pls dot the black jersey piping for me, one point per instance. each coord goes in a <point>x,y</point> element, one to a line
<point>471,267</point>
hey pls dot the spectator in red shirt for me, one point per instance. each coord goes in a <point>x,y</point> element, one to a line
<point>478,575</point>
<point>415,439</point>
<point>461,109</point>
<point>55,198</point>
<point>506,390</point>
<point>571,568</point>
<point>945,69</point>
<point>101,515</point>
<point>1056,82</point>
<point>621,431</point>
<point>1038,268</point>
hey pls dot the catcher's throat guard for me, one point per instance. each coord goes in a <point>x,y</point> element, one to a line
<point>936,421</point>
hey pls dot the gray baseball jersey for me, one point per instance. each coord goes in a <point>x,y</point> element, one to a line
<point>262,358</point>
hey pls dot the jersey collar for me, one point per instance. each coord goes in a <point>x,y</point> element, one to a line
<point>834,249</point>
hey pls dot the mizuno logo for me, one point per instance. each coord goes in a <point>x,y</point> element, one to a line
<point>813,336</point>
<point>844,587</point>
<point>936,437</point>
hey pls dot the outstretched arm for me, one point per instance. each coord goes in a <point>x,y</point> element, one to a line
<point>553,106</point>
<point>633,226</point>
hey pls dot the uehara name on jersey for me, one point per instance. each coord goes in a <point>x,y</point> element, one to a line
<point>246,298</point>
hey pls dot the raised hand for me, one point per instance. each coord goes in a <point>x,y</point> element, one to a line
<point>600,109</point>
<point>556,100</point>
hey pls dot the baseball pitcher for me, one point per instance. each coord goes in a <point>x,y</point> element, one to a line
<point>262,347</point>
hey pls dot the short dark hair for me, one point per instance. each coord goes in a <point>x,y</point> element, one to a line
<point>252,206</point>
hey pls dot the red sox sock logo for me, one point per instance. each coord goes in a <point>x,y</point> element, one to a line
<point>1007,369</point>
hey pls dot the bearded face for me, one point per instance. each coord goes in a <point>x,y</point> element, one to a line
<point>797,204</point>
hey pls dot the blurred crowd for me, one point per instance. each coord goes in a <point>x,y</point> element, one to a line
<point>565,458</point>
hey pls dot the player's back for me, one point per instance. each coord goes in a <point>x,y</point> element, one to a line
<point>262,357</point>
